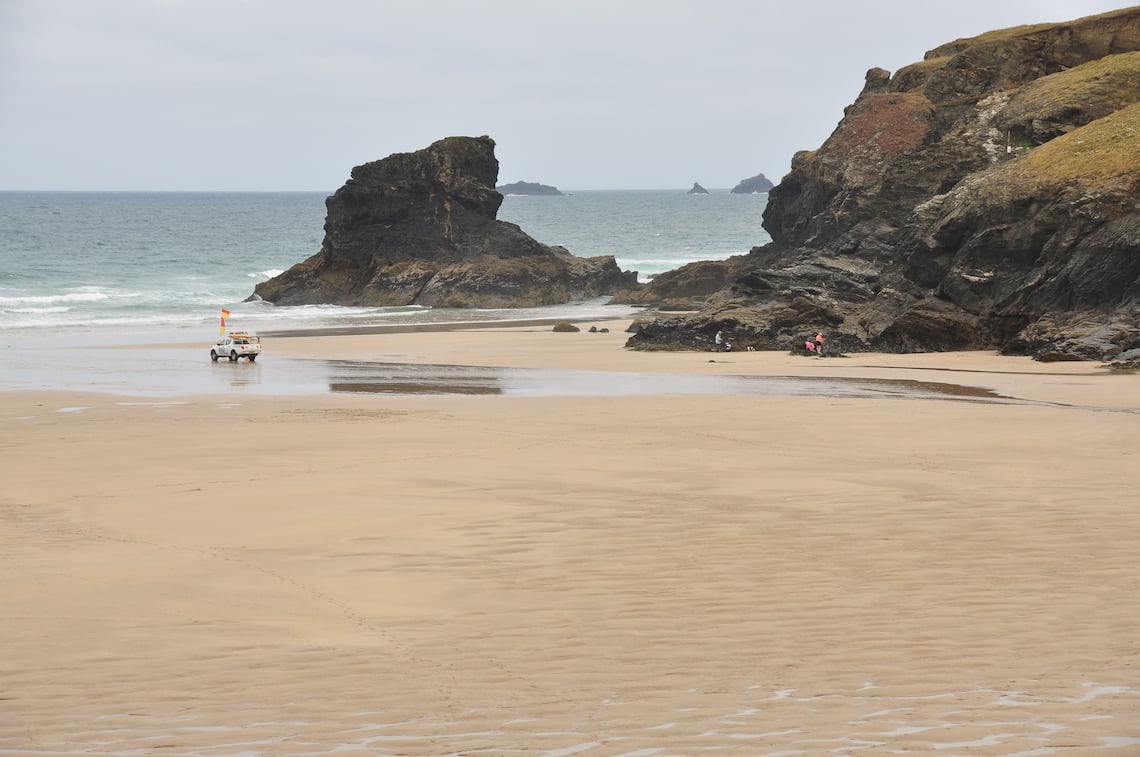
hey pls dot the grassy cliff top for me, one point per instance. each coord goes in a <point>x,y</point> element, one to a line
<point>1003,36</point>
<point>1103,155</point>
<point>1096,88</point>
<point>1005,59</point>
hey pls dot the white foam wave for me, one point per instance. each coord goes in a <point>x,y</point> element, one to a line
<point>266,274</point>
<point>90,295</point>
<point>35,311</point>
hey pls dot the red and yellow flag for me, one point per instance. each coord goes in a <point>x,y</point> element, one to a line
<point>222,327</point>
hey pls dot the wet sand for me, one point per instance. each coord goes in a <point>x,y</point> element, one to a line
<point>366,573</point>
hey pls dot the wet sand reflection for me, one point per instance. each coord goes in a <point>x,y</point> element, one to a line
<point>403,378</point>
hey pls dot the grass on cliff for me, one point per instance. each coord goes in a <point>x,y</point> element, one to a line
<point>1103,155</point>
<point>1096,88</point>
<point>927,64</point>
<point>1012,32</point>
<point>945,53</point>
<point>1027,30</point>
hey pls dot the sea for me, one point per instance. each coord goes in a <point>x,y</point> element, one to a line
<point>123,292</point>
<point>146,265</point>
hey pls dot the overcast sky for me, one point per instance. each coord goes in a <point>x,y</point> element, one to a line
<point>582,94</point>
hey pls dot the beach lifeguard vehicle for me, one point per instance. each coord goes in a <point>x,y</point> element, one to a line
<point>237,345</point>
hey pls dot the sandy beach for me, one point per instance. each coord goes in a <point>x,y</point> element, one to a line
<point>948,567</point>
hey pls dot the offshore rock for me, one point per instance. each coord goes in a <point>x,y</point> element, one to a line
<point>527,188</point>
<point>697,190</point>
<point>420,229</point>
<point>758,183</point>
<point>987,197</point>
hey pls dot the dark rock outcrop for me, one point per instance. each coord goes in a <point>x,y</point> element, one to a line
<point>986,197</point>
<point>527,188</point>
<point>419,229</point>
<point>758,183</point>
<point>697,190</point>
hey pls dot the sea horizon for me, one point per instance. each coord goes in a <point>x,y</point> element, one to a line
<point>682,189</point>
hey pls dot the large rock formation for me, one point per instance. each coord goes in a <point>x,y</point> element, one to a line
<point>419,229</point>
<point>986,197</point>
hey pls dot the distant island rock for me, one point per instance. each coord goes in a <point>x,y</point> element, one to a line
<point>758,183</point>
<point>984,197</point>
<point>527,188</point>
<point>420,229</point>
<point>697,190</point>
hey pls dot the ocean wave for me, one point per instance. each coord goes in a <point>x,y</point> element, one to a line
<point>35,311</point>
<point>145,324</point>
<point>91,295</point>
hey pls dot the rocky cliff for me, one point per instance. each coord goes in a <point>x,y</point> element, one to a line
<point>985,197</point>
<point>420,229</point>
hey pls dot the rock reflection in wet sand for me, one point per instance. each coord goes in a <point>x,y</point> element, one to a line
<point>404,378</point>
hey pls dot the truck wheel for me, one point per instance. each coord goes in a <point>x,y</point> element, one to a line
<point>213,356</point>
<point>233,356</point>
<point>252,358</point>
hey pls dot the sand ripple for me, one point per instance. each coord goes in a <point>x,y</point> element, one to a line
<point>873,719</point>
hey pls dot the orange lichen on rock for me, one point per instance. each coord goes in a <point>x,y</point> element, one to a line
<point>889,123</point>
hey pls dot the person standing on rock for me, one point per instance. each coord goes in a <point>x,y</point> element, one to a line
<point>819,344</point>
<point>719,340</point>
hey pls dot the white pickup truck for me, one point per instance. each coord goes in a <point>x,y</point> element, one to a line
<point>237,345</point>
